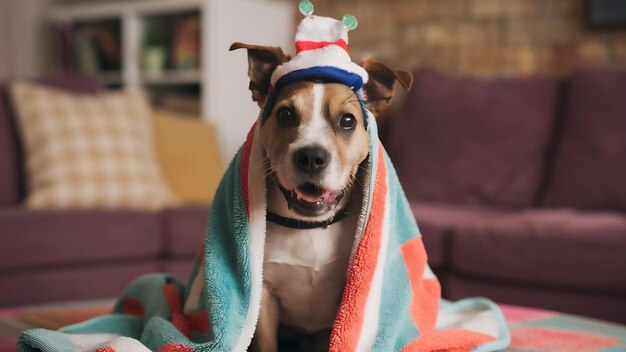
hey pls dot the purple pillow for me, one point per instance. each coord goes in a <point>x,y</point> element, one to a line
<point>590,163</point>
<point>11,187</point>
<point>473,141</point>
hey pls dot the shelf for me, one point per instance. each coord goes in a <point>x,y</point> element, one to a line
<point>173,77</point>
<point>166,78</point>
<point>106,10</point>
<point>185,69</point>
<point>110,78</point>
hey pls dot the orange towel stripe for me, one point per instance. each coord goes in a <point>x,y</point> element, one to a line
<point>347,326</point>
<point>426,293</point>
<point>425,306</point>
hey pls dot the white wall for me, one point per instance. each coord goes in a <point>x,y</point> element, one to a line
<point>230,105</point>
<point>24,38</point>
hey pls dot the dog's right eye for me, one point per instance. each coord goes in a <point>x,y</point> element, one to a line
<point>286,117</point>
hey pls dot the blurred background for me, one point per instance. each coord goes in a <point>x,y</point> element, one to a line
<point>511,146</point>
<point>479,37</point>
<point>158,47</point>
<point>125,47</point>
<point>487,38</point>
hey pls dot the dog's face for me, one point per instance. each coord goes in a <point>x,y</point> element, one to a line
<point>315,137</point>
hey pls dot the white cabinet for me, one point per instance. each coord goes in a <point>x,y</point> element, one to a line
<point>220,78</point>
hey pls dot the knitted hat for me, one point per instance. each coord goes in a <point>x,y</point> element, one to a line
<point>321,52</point>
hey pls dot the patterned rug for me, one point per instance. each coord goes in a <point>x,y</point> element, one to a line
<point>531,329</point>
<point>15,320</point>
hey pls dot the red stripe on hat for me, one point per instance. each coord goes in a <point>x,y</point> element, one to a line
<point>303,45</point>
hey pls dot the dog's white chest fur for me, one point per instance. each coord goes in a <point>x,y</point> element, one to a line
<point>306,271</point>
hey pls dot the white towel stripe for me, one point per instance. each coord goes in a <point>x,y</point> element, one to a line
<point>372,307</point>
<point>258,207</point>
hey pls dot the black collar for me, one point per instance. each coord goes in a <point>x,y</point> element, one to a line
<point>306,225</point>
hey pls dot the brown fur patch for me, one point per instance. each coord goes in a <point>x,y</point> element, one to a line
<point>276,139</point>
<point>351,146</point>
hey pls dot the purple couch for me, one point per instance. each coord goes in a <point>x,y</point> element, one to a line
<point>519,186</point>
<point>50,256</point>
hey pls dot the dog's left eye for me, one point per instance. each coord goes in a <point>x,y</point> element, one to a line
<point>286,117</point>
<point>347,121</point>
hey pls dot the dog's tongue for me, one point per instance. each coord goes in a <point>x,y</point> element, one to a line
<point>325,197</point>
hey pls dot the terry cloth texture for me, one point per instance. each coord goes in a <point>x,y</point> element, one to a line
<point>390,302</point>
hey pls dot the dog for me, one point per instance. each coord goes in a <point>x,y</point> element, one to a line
<point>314,142</point>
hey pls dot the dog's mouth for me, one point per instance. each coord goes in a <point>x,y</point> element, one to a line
<point>310,199</point>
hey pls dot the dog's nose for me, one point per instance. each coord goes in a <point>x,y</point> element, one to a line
<point>311,159</point>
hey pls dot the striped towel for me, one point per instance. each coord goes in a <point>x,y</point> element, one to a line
<point>391,301</point>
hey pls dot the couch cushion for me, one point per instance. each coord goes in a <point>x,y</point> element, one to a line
<point>11,186</point>
<point>548,248</point>
<point>590,166</point>
<point>473,141</point>
<point>40,238</point>
<point>607,307</point>
<point>435,234</point>
<point>436,242</point>
<point>437,221</point>
<point>184,230</point>
<point>180,267</point>
<point>73,282</point>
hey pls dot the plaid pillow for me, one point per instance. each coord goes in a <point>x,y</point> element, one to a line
<point>89,151</point>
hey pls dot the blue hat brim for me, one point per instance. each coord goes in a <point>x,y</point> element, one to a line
<point>324,73</point>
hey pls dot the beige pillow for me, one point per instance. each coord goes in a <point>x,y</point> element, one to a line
<point>89,151</point>
<point>189,155</point>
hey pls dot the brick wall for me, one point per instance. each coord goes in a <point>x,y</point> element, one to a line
<point>479,37</point>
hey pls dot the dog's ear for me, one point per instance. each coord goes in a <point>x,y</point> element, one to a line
<point>380,87</point>
<point>262,61</point>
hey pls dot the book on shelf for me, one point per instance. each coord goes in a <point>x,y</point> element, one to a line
<point>169,52</point>
<point>171,44</point>
<point>186,42</point>
<point>93,48</point>
<point>85,52</point>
